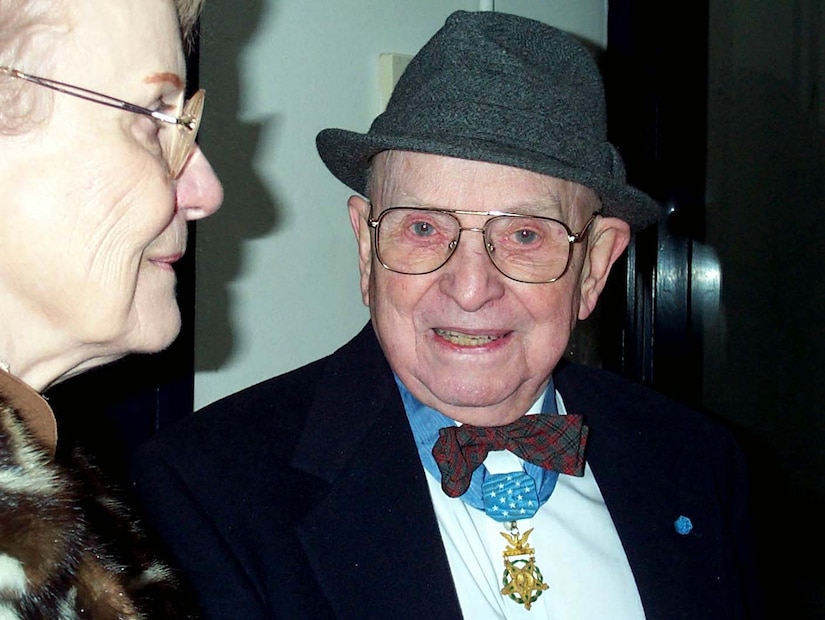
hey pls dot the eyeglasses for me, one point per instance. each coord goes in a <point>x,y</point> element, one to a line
<point>525,248</point>
<point>177,148</point>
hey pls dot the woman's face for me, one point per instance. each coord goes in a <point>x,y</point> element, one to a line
<point>92,223</point>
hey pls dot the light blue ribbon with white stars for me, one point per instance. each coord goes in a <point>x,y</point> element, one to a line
<point>510,497</point>
<point>523,491</point>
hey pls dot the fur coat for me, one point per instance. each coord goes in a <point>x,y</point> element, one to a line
<point>68,549</point>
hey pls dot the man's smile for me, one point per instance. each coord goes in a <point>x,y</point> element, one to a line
<point>465,340</point>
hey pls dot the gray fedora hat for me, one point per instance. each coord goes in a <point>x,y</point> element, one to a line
<point>503,89</point>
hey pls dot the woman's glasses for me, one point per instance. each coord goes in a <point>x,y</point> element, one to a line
<point>181,141</point>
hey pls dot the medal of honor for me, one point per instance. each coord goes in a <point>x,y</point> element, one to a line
<point>522,580</point>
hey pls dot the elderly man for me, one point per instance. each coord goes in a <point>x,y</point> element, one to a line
<point>434,467</point>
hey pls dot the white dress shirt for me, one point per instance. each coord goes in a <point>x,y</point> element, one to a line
<point>576,547</point>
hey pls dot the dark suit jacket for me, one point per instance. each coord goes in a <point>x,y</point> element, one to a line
<point>304,497</point>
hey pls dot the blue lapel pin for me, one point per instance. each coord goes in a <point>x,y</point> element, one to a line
<point>683,525</point>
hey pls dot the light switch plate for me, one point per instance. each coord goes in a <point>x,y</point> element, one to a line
<point>390,68</point>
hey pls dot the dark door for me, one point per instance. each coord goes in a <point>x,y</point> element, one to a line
<point>716,108</point>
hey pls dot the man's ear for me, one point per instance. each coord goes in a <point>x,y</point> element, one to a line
<point>359,211</point>
<point>607,239</point>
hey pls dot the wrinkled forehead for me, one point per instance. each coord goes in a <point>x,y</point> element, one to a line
<point>118,40</point>
<point>423,179</point>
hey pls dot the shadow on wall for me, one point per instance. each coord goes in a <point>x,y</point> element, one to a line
<point>767,180</point>
<point>249,210</point>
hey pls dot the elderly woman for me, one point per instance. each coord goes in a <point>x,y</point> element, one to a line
<point>99,173</point>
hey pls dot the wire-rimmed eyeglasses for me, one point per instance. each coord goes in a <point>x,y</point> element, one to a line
<point>525,248</point>
<point>181,141</point>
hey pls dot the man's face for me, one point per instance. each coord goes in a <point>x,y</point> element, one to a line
<point>465,339</point>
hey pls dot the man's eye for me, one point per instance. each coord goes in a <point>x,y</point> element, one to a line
<point>422,229</point>
<point>525,236</point>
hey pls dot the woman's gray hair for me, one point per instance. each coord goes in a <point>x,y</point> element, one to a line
<point>188,12</point>
<point>29,32</point>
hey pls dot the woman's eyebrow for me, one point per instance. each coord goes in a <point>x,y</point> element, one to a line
<point>172,78</point>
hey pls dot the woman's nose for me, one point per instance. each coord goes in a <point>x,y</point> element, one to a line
<point>199,192</point>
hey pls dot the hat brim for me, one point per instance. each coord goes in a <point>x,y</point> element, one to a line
<point>347,154</point>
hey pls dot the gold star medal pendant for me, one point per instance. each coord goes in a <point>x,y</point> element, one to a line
<point>508,498</point>
<point>522,581</point>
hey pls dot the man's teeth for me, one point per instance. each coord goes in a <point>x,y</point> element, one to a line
<point>465,340</point>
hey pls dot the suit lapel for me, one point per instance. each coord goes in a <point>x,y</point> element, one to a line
<point>373,540</point>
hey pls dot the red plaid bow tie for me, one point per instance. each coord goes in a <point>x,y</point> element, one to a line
<point>553,442</point>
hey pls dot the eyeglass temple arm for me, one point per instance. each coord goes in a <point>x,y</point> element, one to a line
<point>96,97</point>
<point>579,236</point>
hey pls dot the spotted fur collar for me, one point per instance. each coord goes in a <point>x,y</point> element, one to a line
<point>68,548</point>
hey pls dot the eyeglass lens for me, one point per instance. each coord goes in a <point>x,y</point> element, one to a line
<point>182,139</point>
<point>524,248</point>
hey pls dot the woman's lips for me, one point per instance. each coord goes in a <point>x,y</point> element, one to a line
<point>166,262</point>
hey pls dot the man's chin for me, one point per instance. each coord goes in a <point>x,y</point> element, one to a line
<point>472,403</point>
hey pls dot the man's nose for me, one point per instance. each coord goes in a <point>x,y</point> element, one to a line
<point>470,278</point>
<point>198,191</point>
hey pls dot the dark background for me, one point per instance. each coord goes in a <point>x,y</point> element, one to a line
<point>716,107</point>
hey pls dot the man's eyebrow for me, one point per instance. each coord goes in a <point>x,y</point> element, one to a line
<point>538,207</point>
<point>172,78</point>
